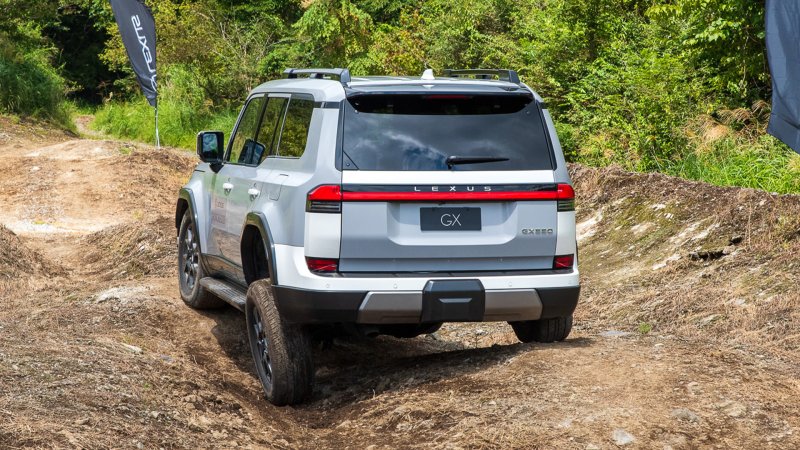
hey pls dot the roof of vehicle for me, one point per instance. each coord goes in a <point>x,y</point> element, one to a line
<point>334,90</point>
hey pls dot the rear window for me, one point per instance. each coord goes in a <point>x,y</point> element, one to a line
<point>444,132</point>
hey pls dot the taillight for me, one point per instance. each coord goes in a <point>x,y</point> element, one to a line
<point>322,265</point>
<point>325,199</point>
<point>563,262</point>
<point>566,199</point>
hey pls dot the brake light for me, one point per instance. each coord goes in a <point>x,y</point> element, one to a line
<point>566,198</point>
<point>563,262</point>
<point>447,97</point>
<point>325,199</point>
<point>322,265</point>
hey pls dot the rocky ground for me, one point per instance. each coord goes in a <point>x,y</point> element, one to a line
<point>687,333</point>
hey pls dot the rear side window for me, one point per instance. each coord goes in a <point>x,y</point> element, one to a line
<point>270,125</point>
<point>445,132</point>
<point>244,147</point>
<point>295,127</point>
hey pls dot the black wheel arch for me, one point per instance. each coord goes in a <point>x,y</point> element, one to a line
<point>186,203</point>
<point>256,230</point>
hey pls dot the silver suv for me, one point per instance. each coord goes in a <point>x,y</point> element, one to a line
<point>380,205</point>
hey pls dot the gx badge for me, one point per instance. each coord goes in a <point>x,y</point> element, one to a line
<point>450,219</point>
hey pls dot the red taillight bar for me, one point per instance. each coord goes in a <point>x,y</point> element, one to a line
<point>562,192</point>
<point>334,193</point>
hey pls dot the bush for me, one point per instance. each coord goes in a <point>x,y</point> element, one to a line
<point>30,85</point>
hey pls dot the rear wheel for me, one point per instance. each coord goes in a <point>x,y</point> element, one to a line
<point>190,271</point>
<point>543,330</point>
<point>281,351</point>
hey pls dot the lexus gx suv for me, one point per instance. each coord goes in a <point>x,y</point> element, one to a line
<point>380,205</point>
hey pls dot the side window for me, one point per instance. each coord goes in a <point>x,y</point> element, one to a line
<point>270,125</point>
<point>244,148</point>
<point>295,127</point>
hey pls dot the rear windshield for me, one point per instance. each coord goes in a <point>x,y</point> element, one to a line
<point>420,132</point>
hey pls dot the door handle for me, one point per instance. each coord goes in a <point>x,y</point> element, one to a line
<point>253,192</point>
<point>227,187</point>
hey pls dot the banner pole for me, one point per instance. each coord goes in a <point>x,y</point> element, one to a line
<point>158,139</point>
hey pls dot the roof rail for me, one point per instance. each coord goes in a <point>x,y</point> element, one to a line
<point>342,74</point>
<point>485,74</point>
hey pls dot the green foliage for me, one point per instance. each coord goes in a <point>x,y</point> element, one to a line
<point>183,111</point>
<point>761,164</point>
<point>29,84</point>
<point>332,32</point>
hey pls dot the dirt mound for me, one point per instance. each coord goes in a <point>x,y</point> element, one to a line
<point>16,259</point>
<point>683,257</point>
<point>131,250</point>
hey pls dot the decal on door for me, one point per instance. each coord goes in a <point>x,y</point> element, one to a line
<point>219,210</point>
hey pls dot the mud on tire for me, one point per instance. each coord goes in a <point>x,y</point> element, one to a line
<point>190,270</point>
<point>543,330</point>
<point>281,351</point>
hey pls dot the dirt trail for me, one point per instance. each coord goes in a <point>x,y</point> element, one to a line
<point>686,337</point>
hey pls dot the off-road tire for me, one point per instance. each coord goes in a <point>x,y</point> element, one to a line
<point>543,330</point>
<point>192,293</point>
<point>281,351</point>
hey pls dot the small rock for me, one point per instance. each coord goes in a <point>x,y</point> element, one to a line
<point>736,240</point>
<point>154,414</point>
<point>728,249</point>
<point>133,349</point>
<point>592,447</point>
<point>614,333</point>
<point>35,169</point>
<point>82,422</point>
<point>685,415</point>
<point>735,410</point>
<point>622,437</point>
<point>707,320</point>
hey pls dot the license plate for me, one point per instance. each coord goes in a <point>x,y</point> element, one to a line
<point>450,219</point>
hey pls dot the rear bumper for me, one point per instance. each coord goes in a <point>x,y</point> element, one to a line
<point>392,307</point>
<point>303,297</point>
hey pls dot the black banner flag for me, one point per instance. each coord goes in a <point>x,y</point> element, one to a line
<point>138,30</point>
<point>783,52</point>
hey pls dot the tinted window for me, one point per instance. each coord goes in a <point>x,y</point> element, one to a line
<point>420,132</point>
<point>270,125</point>
<point>295,127</point>
<point>244,148</point>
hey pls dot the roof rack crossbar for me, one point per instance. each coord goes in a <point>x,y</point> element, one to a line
<point>485,74</point>
<point>342,74</point>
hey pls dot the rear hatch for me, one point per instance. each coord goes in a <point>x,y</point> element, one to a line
<point>447,182</point>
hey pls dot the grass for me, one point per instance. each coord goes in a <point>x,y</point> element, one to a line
<point>764,164</point>
<point>178,122</point>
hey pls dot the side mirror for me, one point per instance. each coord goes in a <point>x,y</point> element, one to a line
<point>210,146</point>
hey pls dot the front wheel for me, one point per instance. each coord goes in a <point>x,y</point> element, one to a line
<point>543,330</point>
<point>190,271</point>
<point>281,351</point>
